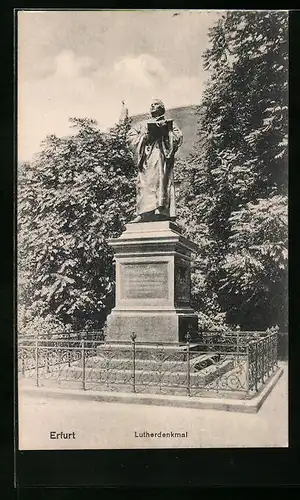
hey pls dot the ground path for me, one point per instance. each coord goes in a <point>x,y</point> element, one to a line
<point>99,425</point>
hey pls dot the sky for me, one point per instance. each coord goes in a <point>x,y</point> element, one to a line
<point>84,63</point>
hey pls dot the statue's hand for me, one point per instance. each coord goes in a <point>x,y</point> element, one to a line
<point>161,123</point>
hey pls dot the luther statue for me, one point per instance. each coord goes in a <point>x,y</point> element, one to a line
<point>154,143</point>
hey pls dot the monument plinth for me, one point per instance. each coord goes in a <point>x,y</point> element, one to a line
<point>152,284</point>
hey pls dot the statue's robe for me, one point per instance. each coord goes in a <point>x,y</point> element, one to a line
<point>154,159</point>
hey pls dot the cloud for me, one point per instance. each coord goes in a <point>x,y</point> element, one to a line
<point>143,70</point>
<point>46,104</point>
<point>77,87</point>
<point>84,63</point>
<point>144,77</point>
<point>70,66</point>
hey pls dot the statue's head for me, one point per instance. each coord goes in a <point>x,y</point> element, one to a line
<point>157,108</point>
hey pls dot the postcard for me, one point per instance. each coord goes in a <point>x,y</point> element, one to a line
<point>152,229</point>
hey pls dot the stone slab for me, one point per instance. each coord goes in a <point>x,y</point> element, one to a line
<point>172,351</point>
<point>137,235</point>
<point>148,326</point>
<point>151,227</point>
<point>149,380</point>
<point>153,361</point>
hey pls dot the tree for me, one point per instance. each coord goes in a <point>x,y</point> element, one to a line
<point>237,203</point>
<point>77,193</point>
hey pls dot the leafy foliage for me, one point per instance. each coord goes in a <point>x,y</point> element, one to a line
<point>77,193</point>
<point>235,201</point>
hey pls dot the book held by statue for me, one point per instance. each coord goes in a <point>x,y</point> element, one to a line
<point>156,130</point>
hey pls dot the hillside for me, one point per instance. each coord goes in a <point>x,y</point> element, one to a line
<point>186,119</point>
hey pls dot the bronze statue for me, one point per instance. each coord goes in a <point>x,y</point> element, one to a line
<point>154,143</point>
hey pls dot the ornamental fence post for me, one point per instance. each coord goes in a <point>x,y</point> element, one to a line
<point>263,360</point>
<point>269,355</point>
<point>256,366</point>
<point>188,340</point>
<point>274,351</point>
<point>37,362</point>
<point>247,367</point>
<point>83,364</point>
<point>47,358</point>
<point>23,361</point>
<point>133,337</point>
<point>69,350</point>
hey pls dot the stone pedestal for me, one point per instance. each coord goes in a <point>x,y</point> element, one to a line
<point>152,284</point>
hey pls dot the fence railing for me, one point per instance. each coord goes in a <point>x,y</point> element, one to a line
<point>262,359</point>
<point>63,335</point>
<point>234,363</point>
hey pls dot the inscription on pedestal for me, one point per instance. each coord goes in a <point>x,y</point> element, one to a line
<point>144,281</point>
<point>182,284</point>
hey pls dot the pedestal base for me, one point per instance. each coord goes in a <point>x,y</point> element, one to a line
<point>151,326</point>
<point>152,284</point>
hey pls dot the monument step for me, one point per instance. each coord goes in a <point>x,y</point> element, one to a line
<point>145,351</point>
<point>155,363</point>
<point>165,378</point>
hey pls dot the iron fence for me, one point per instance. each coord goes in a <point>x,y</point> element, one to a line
<point>262,359</point>
<point>235,363</point>
<point>63,335</point>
